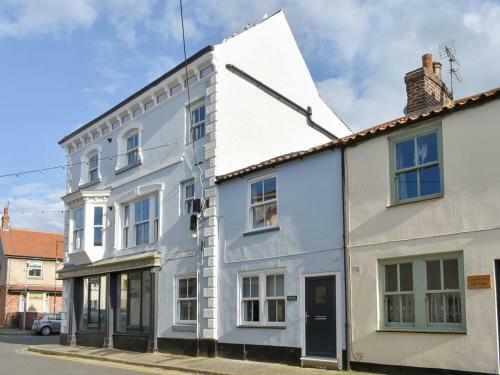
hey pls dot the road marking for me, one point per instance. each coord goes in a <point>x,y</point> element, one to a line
<point>146,370</point>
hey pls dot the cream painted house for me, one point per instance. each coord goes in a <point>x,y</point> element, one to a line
<point>422,196</point>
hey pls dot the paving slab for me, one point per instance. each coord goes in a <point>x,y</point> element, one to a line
<point>194,365</point>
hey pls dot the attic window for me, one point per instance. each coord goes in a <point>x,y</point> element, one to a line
<point>206,71</point>
<point>148,105</point>
<point>136,112</point>
<point>174,90</point>
<point>126,118</point>
<point>190,80</point>
<point>161,97</point>
<point>115,124</point>
<point>105,130</point>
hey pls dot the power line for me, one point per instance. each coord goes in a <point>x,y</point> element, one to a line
<point>35,211</point>
<point>64,166</point>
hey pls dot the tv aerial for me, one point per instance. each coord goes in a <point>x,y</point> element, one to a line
<point>447,51</point>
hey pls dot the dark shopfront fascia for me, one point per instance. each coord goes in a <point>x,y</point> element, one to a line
<point>114,309</point>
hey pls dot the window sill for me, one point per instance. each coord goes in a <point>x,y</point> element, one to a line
<point>89,184</point>
<point>261,326</point>
<point>128,167</point>
<point>435,331</point>
<point>262,230</point>
<point>184,327</point>
<point>415,200</point>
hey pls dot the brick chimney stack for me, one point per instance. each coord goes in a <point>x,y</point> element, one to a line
<point>425,89</point>
<point>6,219</point>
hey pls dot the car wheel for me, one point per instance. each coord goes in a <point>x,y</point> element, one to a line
<point>45,331</point>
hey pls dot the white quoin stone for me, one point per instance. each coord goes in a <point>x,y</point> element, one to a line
<point>208,313</point>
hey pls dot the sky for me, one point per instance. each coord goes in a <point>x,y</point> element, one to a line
<point>63,63</point>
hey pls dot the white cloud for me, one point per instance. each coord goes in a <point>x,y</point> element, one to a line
<point>19,18</point>
<point>35,196</point>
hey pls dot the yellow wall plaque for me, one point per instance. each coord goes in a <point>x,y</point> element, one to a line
<point>479,282</point>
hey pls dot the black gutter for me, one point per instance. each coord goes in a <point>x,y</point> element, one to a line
<point>307,113</point>
<point>175,69</point>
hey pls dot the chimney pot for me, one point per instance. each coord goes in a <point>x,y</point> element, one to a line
<point>427,61</point>
<point>437,68</point>
<point>5,219</point>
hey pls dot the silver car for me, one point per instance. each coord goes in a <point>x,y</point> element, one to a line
<point>46,324</point>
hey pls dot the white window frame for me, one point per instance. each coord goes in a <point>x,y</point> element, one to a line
<point>196,127</point>
<point>78,232</point>
<point>251,207</point>
<point>134,150</point>
<point>178,299</point>
<point>92,169</point>
<point>126,226</point>
<point>98,226</point>
<point>31,267</point>
<point>274,298</point>
<point>156,217</point>
<point>262,298</point>
<point>187,202</point>
<point>143,221</point>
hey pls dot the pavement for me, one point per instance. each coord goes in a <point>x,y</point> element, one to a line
<point>15,332</point>
<point>15,360</point>
<point>185,364</point>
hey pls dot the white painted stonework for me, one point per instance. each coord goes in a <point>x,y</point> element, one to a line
<point>243,126</point>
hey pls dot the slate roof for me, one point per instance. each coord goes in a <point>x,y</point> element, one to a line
<point>25,243</point>
<point>392,125</point>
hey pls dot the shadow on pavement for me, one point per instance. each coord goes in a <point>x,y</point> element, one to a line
<point>29,339</point>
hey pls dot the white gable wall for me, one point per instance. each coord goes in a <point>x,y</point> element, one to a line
<point>251,125</point>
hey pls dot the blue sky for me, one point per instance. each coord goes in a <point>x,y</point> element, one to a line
<point>65,62</point>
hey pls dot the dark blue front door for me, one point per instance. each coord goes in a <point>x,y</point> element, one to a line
<point>320,316</point>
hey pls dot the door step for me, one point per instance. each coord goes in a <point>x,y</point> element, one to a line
<point>327,363</point>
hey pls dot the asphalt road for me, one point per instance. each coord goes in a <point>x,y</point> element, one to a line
<point>13,360</point>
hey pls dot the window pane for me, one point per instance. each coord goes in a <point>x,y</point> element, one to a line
<point>182,288</point>
<point>270,286</point>
<point>280,285</point>
<point>84,311</point>
<point>191,292</point>
<point>407,308</point>
<point>184,310</point>
<point>407,185</point>
<point>97,215</point>
<point>427,148</point>
<point>405,154</point>
<point>146,299</point>
<point>405,277</point>
<point>430,180</point>
<point>98,236</point>
<point>320,295</point>
<point>255,311</point>
<point>94,302</point>
<point>454,308</point>
<point>102,303</point>
<point>246,287</point>
<point>270,188</point>
<point>393,308</point>
<point>450,274</point>
<point>257,192</point>
<point>271,310</point>
<point>121,324</point>
<point>254,281</point>
<point>259,216</point>
<point>391,278</point>
<point>436,307</point>
<point>281,310</point>
<point>433,275</point>
<point>135,301</point>
<point>190,191</point>
<point>192,310</point>
<point>126,215</point>
<point>271,214</point>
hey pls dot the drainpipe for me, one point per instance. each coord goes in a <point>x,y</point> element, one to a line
<point>347,265</point>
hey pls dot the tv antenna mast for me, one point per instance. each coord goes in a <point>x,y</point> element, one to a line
<point>447,51</point>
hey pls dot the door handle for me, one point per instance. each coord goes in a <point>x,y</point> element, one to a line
<point>320,317</point>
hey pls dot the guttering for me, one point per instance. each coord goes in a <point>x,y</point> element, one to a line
<point>347,265</point>
<point>157,81</point>
<point>307,113</point>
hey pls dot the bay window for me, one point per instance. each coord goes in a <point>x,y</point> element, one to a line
<point>423,293</point>
<point>98,227</point>
<point>78,228</point>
